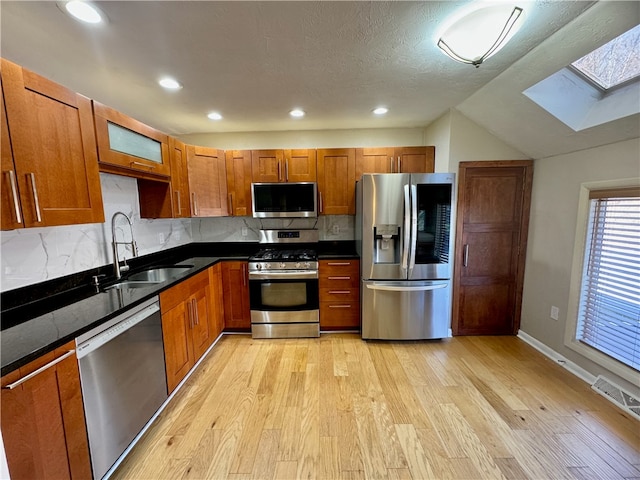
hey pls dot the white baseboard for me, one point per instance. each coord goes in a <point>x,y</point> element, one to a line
<point>557,358</point>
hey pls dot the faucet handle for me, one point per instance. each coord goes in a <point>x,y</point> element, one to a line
<point>95,280</point>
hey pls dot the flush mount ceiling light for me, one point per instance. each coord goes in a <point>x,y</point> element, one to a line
<point>83,11</point>
<point>169,83</point>
<point>297,113</point>
<point>381,110</point>
<point>214,116</point>
<point>472,36</point>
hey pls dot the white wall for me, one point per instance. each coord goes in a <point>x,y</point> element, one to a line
<point>552,229</point>
<point>438,134</point>
<point>383,137</point>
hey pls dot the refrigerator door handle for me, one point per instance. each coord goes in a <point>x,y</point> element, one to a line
<point>405,242</point>
<point>414,228</point>
<point>420,288</point>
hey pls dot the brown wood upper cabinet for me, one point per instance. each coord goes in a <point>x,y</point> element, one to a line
<point>337,181</point>
<point>238,166</point>
<point>43,422</point>
<point>394,160</point>
<point>49,163</point>
<point>129,147</point>
<point>273,166</point>
<point>207,182</point>
<point>179,179</point>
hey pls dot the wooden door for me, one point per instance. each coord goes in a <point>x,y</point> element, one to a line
<point>10,208</point>
<point>43,423</point>
<point>201,332</point>
<point>266,166</point>
<point>207,182</point>
<point>337,181</point>
<point>374,160</point>
<point>415,159</point>
<point>176,338</point>
<point>235,282</point>
<point>238,166</point>
<point>179,179</point>
<point>54,149</point>
<point>491,238</point>
<point>300,165</point>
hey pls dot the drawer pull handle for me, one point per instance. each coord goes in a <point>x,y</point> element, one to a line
<point>339,278</point>
<point>339,306</point>
<point>339,264</point>
<point>340,292</point>
<point>13,385</point>
<point>144,165</point>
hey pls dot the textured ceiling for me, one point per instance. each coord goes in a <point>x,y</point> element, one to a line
<point>254,61</point>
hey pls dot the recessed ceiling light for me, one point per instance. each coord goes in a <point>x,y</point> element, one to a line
<point>297,113</point>
<point>215,116</point>
<point>381,110</point>
<point>169,83</point>
<point>83,11</point>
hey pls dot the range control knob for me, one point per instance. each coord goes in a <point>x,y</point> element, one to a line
<point>282,265</point>
<point>307,265</point>
<point>267,266</point>
<point>259,266</point>
<point>298,265</point>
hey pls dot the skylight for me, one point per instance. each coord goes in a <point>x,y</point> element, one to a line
<point>613,63</point>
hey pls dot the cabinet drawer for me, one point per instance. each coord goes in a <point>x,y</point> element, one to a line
<point>339,294</point>
<point>179,293</point>
<point>339,274</point>
<point>340,315</point>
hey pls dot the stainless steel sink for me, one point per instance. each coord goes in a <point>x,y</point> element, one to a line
<point>157,275</point>
<point>150,277</point>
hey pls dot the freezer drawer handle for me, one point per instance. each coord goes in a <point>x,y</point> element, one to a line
<point>392,288</point>
<point>13,385</point>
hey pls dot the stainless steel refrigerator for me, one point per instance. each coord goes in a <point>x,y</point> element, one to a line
<point>404,236</point>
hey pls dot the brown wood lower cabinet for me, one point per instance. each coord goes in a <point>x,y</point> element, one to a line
<point>235,281</point>
<point>43,423</point>
<point>186,327</point>
<point>339,285</point>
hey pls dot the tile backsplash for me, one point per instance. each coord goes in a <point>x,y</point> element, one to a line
<point>33,255</point>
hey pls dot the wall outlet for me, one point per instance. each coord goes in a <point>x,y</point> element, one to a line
<point>555,312</point>
<point>161,237</point>
<point>244,231</point>
<point>335,229</point>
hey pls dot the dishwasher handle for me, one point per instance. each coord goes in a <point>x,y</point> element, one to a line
<point>85,348</point>
<point>402,288</point>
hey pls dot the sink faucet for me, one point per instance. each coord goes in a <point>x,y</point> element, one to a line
<point>118,269</point>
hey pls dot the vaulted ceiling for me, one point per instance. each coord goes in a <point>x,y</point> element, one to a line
<point>255,61</point>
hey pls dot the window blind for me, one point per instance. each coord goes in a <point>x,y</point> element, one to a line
<point>609,311</point>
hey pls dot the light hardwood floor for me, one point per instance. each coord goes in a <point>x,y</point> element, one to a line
<point>341,408</point>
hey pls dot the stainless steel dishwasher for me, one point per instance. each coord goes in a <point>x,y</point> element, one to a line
<point>123,378</point>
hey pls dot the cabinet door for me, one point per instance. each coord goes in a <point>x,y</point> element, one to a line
<point>238,166</point>
<point>43,424</point>
<point>179,179</point>
<point>237,314</point>
<point>374,160</point>
<point>201,332</point>
<point>207,181</point>
<point>414,159</point>
<point>216,309</point>
<point>178,350</point>
<point>11,210</point>
<point>336,181</point>
<point>266,166</point>
<point>300,165</point>
<point>129,147</point>
<point>54,150</point>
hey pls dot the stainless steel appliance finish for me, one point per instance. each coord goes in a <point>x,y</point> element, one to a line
<point>283,286</point>
<point>404,238</point>
<point>122,373</point>
<point>284,200</point>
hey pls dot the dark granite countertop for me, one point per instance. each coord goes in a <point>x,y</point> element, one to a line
<point>39,318</point>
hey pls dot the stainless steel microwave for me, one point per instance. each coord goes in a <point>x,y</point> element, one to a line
<point>284,200</point>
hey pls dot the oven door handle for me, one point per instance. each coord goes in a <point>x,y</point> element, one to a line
<point>284,275</point>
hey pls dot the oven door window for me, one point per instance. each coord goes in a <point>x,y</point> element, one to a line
<point>272,295</point>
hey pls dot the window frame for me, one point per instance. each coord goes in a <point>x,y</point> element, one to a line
<point>581,240</point>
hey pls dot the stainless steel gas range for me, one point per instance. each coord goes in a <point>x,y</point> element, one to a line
<point>283,285</point>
